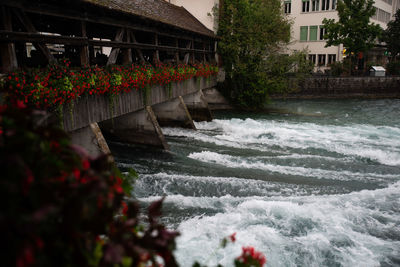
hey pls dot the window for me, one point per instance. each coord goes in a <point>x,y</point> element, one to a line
<point>313,33</point>
<point>306,6</point>
<point>303,33</point>
<point>325,5</point>
<point>321,32</point>
<point>312,58</point>
<point>321,60</point>
<point>331,58</point>
<point>333,4</point>
<point>315,5</point>
<point>288,7</point>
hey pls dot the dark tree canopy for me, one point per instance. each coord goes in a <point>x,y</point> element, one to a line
<point>354,29</point>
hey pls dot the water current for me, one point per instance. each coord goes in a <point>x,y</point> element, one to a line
<point>309,183</point>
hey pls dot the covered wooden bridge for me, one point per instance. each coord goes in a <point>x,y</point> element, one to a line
<point>36,32</point>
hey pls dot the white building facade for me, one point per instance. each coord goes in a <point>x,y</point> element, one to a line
<point>307,29</point>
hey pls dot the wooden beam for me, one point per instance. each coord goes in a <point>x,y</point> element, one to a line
<point>27,23</point>
<point>85,60</point>
<point>8,55</point>
<point>11,37</point>
<point>127,52</point>
<point>112,59</point>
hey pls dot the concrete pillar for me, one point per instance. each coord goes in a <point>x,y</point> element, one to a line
<point>215,100</point>
<point>140,127</point>
<point>198,106</point>
<point>91,139</point>
<point>174,113</point>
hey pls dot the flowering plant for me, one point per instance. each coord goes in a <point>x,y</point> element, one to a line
<point>59,84</point>
<point>65,208</point>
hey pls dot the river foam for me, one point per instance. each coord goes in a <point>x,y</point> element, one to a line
<point>357,229</point>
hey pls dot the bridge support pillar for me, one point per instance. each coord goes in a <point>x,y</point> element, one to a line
<point>198,106</point>
<point>140,127</point>
<point>91,139</point>
<point>174,113</point>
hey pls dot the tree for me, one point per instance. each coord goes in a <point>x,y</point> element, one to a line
<point>391,36</point>
<point>354,29</point>
<point>251,31</point>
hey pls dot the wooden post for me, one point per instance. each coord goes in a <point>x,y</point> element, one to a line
<point>204,52</point>
<point>156,56</point>
<point>177,51</point>
<point>7,50</point>
<point>192,53</point>
<point>127,53</point>
<point>24,19</point>
<point>187,55</point>
<point>85,60</point>
<point>138,51</point>
<point>112,59</point>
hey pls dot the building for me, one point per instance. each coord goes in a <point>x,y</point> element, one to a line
<point>307,30</point>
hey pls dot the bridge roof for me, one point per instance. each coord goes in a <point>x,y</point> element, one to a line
<point>157,10</point>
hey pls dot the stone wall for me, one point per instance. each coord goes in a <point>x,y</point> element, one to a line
<point>344,87</point>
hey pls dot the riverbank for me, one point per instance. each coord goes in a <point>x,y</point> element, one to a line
<point>343,87</point>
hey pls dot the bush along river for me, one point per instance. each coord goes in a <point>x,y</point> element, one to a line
<point>310,183</point>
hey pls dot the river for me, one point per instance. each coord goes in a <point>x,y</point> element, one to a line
<point>309,183</point>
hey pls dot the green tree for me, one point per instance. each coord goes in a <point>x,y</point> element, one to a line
<point>391,36</point>
<point>354,29</point>
<point>252,31</point>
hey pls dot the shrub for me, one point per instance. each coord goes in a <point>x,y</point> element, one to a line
<point>65,208</point>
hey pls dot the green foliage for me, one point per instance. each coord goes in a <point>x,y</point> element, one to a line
<point>393,68</point>
<point>253,32</point>
<point>391,36</point>
<point>353,29</point>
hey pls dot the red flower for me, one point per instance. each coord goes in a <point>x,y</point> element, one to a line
<point>251,256</point>
<point>124,208</point>
<point>85,164</point>
<point>232,237</point>
<point>77,173</point>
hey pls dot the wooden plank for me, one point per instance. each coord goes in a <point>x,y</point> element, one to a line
<point>8,55</point>
<point>85,60</point>
<point>27,23</point>
<point>112,59</point>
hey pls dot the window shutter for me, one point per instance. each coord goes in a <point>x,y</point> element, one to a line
<point>303,33</point>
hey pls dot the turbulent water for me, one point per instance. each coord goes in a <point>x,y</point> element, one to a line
<point>310,183</point>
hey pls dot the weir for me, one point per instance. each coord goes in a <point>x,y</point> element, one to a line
<point>135,117</point>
